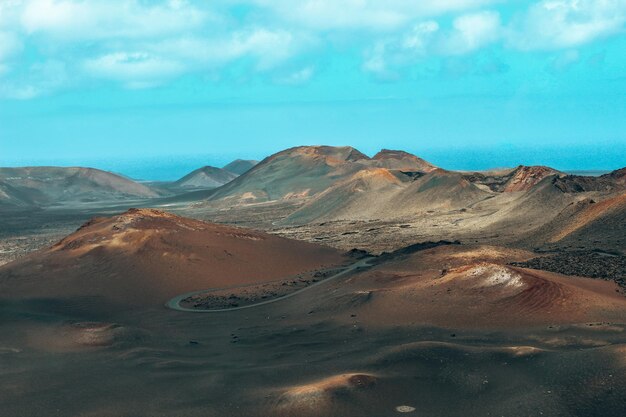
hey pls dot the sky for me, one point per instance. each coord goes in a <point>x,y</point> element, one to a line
<point>154,88</point>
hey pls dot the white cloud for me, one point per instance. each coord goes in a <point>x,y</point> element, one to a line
<point>10,38</point>
<point>468,33</point>
<point>9,45</point>
<point>154,63</point>
<point>420,35</point>
<point>300,76</point>
<point>386,55</point>
<point>20,92</point>
<point>142,43</point>
<point>40,78</point>
<point>75,20</point>
<point>375,60</point>
<point>363,14</point>
<point>555,24</point>
<point>9,12</point>
<point>268,47</point>
<point>471,32</point>
<point>135,69</point>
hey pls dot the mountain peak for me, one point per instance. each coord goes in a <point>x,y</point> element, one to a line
<point>392,154</point>
<point>206,177</point>
<point>240,166</point>
<point>337,153</point>
<point>524,177</point>
<point>401,160</point>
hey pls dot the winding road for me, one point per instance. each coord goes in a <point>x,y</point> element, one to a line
<point>174,303</point>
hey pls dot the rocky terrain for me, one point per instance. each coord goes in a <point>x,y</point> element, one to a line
<point>522,178</point>
<point>248,295</point>
<point>439,327</point>
<point>602,265</point>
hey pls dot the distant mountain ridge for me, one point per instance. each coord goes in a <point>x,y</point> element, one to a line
<point>206,177</point>
<point>325,183</point>
<point>330,183</point>
<point>240,166</point>
<point>54,185</point>
<point>305,171</point>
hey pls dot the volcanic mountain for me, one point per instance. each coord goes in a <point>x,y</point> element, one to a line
<point>145,256</point>
<point>295,172</point>
<point>402,161</point>
<point>306,171</point>
<point>205,178</point>
<point>52,185</point>
<point>384,194</point>
<point>591,221</point>
<point>12,197</point>
<point>240,166</point>
<point>522,178</point>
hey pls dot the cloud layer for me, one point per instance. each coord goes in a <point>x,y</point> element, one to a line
<point>47,45</point>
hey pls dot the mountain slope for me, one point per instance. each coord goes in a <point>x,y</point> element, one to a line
<point>590,222</point>
<point>613,181</point>
<point>458,286</point>
<point>240,166</point>
<point>383,194</point>
<point>295,172</point>
<point>526,177</point>
<point>522,178</point>
<point>357,197</point>
<point>401,160</point>
<point>307,171</point>
<point>14,197</point>
<point>205,177</point>
<point>50,185</point>
<point>145,257</point>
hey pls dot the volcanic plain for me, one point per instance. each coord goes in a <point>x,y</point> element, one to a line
<point>317,282</point>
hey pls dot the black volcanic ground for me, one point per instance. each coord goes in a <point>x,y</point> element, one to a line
<point>476,293</point>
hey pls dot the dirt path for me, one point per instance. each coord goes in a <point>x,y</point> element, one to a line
<point>174,303</point>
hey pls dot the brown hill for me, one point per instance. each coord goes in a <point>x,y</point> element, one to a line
<point>51,185</point>
<point>592,223</point>
<point>307,171</point>
<point>456,286</point>
<point>400,160</point>
<point>589,213</point>
<point>525,177</point>
<point>520,213</point>
<point>522,178</point>
<point>144,257</point>
<point>293,173</point>
<point>384,194</point>
<point>205,178</point>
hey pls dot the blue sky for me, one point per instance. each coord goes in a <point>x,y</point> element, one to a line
<point>466,83</point>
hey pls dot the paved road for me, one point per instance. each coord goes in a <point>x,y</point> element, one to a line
<point>174,303</point>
